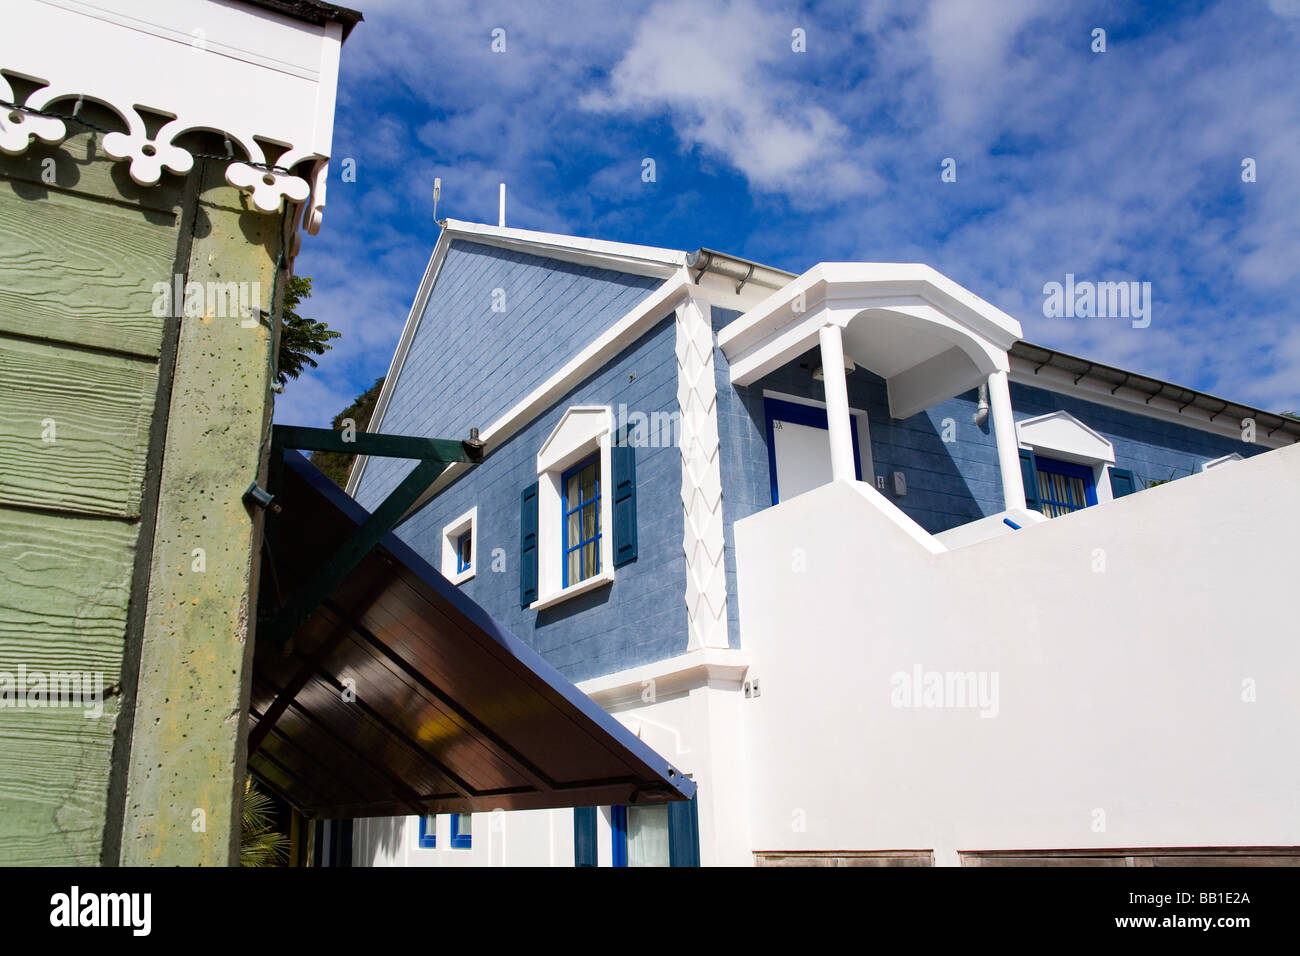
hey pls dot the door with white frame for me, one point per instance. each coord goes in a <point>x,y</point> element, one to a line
<point>798,446</point>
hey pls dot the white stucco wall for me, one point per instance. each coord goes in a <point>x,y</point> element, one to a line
<point>1123,639</point>
<point>521,838</point>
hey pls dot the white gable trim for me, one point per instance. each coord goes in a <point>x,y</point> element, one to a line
<point>667,264</point>
<point>643,316</point>
<point>1061,435</point>
<point>399,355</point>
<point>616,256</point>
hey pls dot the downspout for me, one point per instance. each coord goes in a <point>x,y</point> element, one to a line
<point>982,412</point>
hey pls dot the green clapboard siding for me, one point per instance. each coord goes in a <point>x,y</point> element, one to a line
<point>86,275</point>
<point>52,790</point>
<point>101,299</point>
<point>65,581</point>
<point>98,406</point>
<point>79,257</point>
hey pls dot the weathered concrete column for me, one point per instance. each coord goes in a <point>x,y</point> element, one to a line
<point>838,421</point>
<point>187,761</point>
<point>1004,433</point>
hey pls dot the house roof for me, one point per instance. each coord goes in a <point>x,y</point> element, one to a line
<point>400,695</point>
<point>311,11</point>
<point>1267,423</point>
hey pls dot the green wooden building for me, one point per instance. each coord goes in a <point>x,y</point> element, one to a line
<point>147,227</point>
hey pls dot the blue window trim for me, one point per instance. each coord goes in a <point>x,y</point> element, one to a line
<point>428,837</point>
<point>1054,467</point>
<point>813,416</point>
<point>566,510</point>
<point>461,563</point>
<point>618,823</point>
<point>683,834</point>
<point>459,841</point>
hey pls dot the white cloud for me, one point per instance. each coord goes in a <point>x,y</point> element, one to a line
<point>714,71</point>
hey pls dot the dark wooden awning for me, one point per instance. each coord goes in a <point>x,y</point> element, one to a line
<point>398,695</point>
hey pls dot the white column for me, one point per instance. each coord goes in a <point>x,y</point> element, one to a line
<point>838,420</point>
<point>1004,432</point>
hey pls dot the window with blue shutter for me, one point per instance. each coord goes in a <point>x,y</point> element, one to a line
<point>684,833</point>
<point>1064,487</point>
<point>584,836</point>
<point>1122,482</point>
<point>623,464</point>
<point>528,545</point>
<point>1029,475</point>
<point>656,834</point>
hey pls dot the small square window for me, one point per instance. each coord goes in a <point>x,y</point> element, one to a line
<point>459,544</point>
<point>465,552</point>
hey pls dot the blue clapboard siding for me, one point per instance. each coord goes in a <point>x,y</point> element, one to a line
<point>1153,449</point>
<point>469,365</point>
<point>641,617</point>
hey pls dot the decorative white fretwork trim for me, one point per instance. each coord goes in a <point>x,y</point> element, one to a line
<point>251,76</point>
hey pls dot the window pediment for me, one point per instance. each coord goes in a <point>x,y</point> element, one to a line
<point>1061,435</point>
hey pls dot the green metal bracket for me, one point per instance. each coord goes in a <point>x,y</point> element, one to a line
<point>434,455</point>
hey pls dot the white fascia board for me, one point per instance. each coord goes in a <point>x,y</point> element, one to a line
<point>399,355</point>
<point>708,665</point>
<point>613,340</point>
<point>252,75</point>
<point>1136,403</point>
<point>616,256</point>
<point>874,282</point>
<point>834,292</point>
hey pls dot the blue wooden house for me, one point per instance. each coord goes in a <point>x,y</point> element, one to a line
<point>656,421</point>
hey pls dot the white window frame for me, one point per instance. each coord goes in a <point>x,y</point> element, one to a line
<point>450,555</point>
<point>583,431</point>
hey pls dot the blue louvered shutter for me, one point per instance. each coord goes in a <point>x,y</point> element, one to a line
<point>528,545</point>
<point>683,833</point>
<point>584,836</point>
<point>623,464</point>
<point>1029,473</point>
<point>1122,482</point>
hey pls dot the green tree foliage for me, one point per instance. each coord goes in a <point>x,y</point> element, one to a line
<point>337,465</point>
<point>300,338</point>
<point>259,842</point>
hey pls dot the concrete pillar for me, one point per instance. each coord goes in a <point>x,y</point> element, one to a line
<point>187,760</point>
<point>1004,432</point>
<point>839,422</point>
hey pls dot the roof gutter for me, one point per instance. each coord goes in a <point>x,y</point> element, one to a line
<point>742,271</point>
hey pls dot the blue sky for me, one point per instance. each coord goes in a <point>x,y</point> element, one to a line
<point>1122,165</point>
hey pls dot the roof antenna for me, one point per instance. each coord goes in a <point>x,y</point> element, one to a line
<point>501,216</point>
<point>437,192</point>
